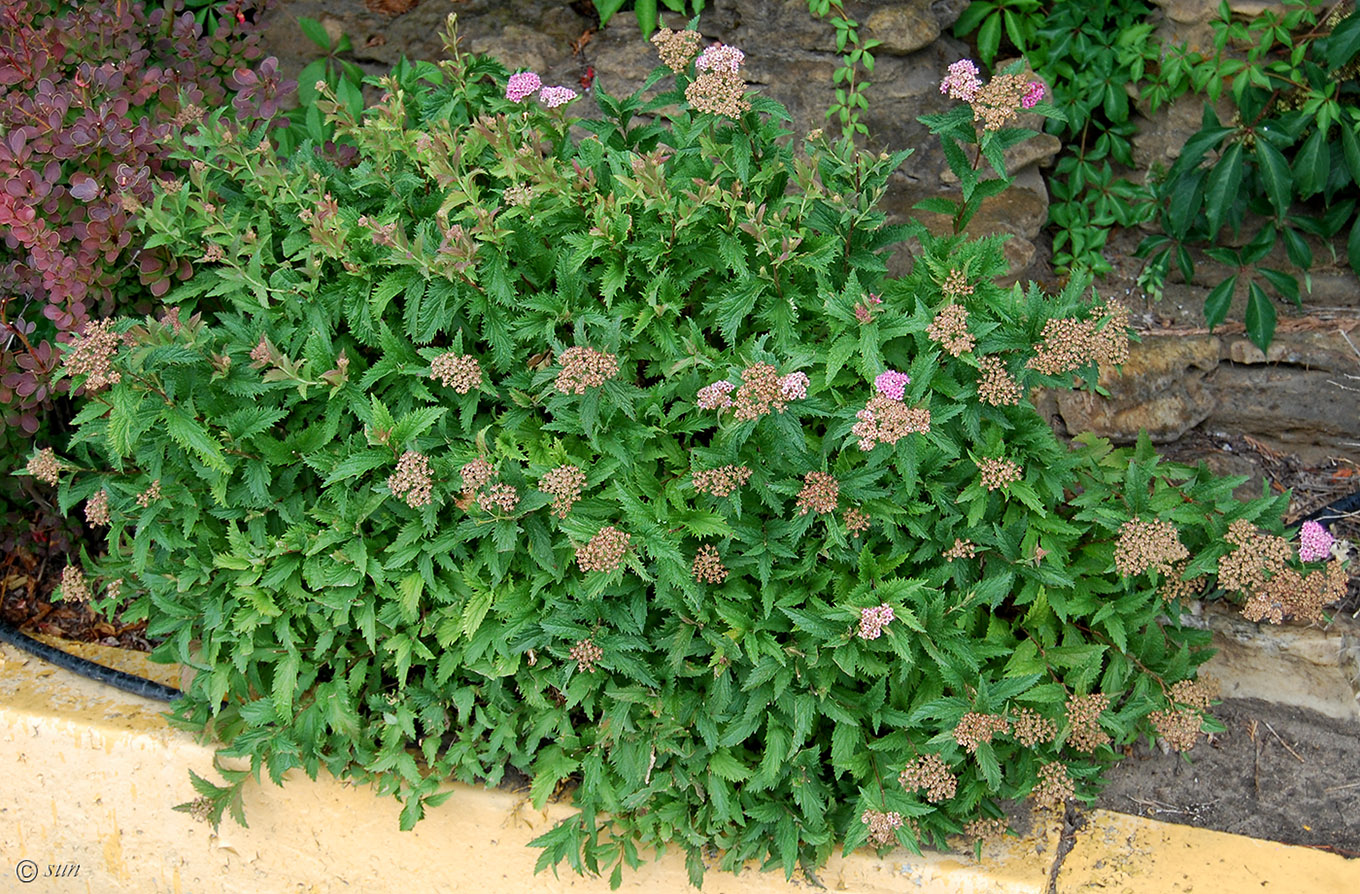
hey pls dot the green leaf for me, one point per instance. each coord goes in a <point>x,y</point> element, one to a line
<point>1219,300</point>
<point>1300,255</point>
<point>989,39</point>
<point>315,33</point>
<point>1283,283</point>
<point>189,433</point>
<point>1222,191</point>
<point>1350,147</point>
<point>1260,317</point>
<point>1344,42</point>
<point>725,766</point>
<point>1312,165</point>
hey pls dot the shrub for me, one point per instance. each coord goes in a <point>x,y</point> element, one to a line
<point>607,451</point>
<point>89,94</point>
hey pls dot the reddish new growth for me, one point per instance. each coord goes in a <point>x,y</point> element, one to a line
<point>412,479</point>
<point>1083,720</point>
<point>974,728</point>
<point>887,421</point>
<point>1144,545</point>
<point>856,522</point>
<point>74,587</point>
<point>722,481</point>
<point>585,653</point>
<point>1054,786</point>
<point>930,772</point>
<point>605,551</point>
<point>97,508</point>
<point>708,567</point>
<point>996,386</point>
<point>882,826</point>
<point>997,472</point>
<point>92,353</point>
<point>819,494</point>
<point>584,368</point>
<point>962,549</point>
<point>45,466</point>
<point>564,484</point>
<point>1031,728</point>
<point>461,372</point>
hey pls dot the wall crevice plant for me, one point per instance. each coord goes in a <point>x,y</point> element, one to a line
<point>593,450</point>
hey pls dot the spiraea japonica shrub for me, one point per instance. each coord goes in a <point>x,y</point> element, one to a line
<point>607,450</point>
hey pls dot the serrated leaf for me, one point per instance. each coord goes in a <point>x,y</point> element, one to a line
<point>1219,300</point>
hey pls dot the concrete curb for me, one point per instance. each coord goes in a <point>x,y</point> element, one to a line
<point>90,775</point>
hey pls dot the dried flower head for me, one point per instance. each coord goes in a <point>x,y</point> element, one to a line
<point>520,195</point>
<point>584,368</point>
<point>718,91</point>
<point>1068,344</point>
<point>114,589</point>
<point>1143,545</point>
<point>477,473</point>
<point>676,48</point>
<point>761,391</point>
<point>1054,786</point>
<point>708,567</point>
<point>856,522</point>
<point>461,372</point>
<point>1173,587</point>
<point>97,508</point>
<point>45,466</point>
<point>1031,728</point>
<point>74,587</point>
<point>882,826</point>
<point>605,551</point>
<point>956,285</point>
<point>996,103</point>
<point>962,549</point>
<point>872,620</point>
<point>1178,727</point>
<point>997,472</point>
<point>819,494</point>
<point>996,386</point>
<point>950,330</point>
<point>412,479</point>
<point>500,496</point>
<point>1083,719</point>
<point>585,653</point>
<point>564,484</point>
<point>92,355</point>
<point>522,85</point>
<point>722,481</point>
<point>930,772</point>
<point>1195,694</point>
<point>887,421</point>
<point>986,828</point>
<point>150,495</point>
<point>974,728</point>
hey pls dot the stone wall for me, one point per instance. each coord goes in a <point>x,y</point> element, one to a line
<point>1179,377</point>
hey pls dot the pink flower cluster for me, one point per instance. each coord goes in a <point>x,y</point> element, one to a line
<point>794,386</point>
<point>892,384</point>
<point>720,58</point>
<point>873,620</point>
<point>521,86</point>
<point>1034,91</point>
<point>524,84</point>
<point>1315,542</point>
<point>715,396</point>
<point>962,82</point>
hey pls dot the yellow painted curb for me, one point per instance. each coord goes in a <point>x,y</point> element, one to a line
<point>90,774</point>
<point>1120,854</point>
